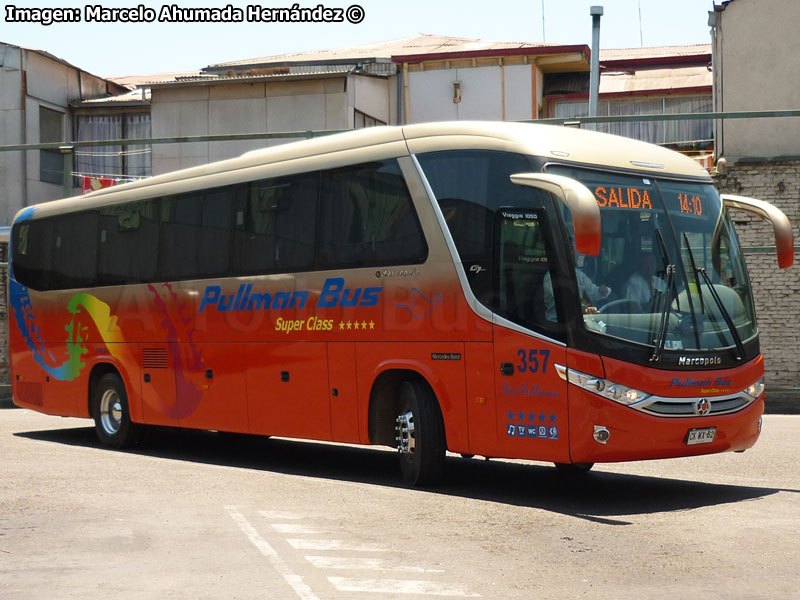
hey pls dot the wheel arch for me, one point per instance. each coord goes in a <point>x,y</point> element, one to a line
<point>98,371</point>
<point>384,399</point>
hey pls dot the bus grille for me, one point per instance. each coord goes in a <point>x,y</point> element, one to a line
<point>685,407</point>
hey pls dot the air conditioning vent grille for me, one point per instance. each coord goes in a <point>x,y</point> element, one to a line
<point>154,358</point>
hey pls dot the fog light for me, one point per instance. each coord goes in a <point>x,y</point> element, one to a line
<point>601,434</point>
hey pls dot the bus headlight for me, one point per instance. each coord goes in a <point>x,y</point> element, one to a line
<point>608,389</point>
<point>756,389</point>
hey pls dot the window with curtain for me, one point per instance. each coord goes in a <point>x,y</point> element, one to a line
<point>113,161</point>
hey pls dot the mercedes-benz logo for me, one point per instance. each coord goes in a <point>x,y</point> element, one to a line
<point>702,407</point>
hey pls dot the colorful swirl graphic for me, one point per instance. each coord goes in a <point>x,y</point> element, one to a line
<point>79,307</point>
<point>186,358</point>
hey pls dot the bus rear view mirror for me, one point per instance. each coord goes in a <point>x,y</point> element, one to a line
<point>784,237</point>
<point>580,201</point>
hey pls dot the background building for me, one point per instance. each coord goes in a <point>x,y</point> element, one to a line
<point>36,89</point>
<point>756,51</point>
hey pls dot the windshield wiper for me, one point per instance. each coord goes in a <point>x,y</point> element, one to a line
<point>669,292</point>
<point>696,278</point>
<point>723,311</point>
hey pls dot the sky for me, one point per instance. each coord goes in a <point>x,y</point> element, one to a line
<point>117,48</point>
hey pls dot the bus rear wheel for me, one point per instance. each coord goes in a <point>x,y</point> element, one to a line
<point>112,417</point>
<point>420,434</point>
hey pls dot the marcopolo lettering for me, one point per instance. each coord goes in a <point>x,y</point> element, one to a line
<point>333,294</point>
<point>699,361</point>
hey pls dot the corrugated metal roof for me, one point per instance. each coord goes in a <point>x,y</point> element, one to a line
<point>615,54</point>
<point>211,79</point>
<point>418,44</point>
<point>131,81</point>
<point>140,96</point>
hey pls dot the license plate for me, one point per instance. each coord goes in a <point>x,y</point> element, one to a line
<point>701,436</point>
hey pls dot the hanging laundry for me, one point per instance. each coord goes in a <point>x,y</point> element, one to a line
<point>92,184</point>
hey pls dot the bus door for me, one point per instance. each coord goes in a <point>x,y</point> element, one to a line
<point>287,389</point>
<point>532,417</point>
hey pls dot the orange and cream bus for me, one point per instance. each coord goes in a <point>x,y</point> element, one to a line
<point>505,290</point>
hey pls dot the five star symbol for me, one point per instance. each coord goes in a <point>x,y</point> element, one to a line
<point>357,325</point>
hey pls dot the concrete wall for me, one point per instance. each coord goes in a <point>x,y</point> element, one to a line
<point>12,172</point>
<point>757,56</point>
<point>375,97</point>
<point>313,104</point>
<point>491,93</point>
<point>777,292</point>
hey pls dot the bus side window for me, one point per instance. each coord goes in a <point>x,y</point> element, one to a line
<point>367,218</point>
<point>32,253</point>
<point>180,221</point>
<point>128,249</point>
<point>275,225</point>
<point>74,250</point>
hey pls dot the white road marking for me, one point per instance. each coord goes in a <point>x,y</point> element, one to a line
<point>292,528</point>
<point>279,515</point>
<point>303,544</point>
<point>364,564</point>
<point>399,587</point>
<point>295,581</point>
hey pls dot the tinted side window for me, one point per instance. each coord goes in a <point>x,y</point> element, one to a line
<point>195,234</point>
<point>178,239</point>
<point>470,185</point>
<point>74,250</point>
<point>128,243</point>
<point>275,225</point>
<point>32,243</point>
<point>367,218</point>
<point>214,236</point>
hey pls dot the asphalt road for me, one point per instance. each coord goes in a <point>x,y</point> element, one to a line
<point>199,515</point>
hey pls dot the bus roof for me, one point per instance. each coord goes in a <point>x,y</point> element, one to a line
<point>547,141</point>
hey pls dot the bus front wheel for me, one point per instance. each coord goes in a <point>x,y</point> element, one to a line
<point>112,417</point>
<point>420,434</point>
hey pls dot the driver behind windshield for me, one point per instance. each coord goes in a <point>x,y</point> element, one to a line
<point>590,293</point>
<point>643,284</point>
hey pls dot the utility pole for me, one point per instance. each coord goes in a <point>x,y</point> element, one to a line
<point>594,76</point>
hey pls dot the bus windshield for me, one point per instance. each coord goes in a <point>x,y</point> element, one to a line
<point>670,273</point>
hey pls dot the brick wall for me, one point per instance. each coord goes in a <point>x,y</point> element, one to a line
<point>777,292</point>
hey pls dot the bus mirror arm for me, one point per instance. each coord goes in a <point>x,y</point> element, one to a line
<point>784,237</point>
<point>580,201</point>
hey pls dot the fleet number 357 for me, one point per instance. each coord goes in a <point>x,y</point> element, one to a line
<point>529,360</point>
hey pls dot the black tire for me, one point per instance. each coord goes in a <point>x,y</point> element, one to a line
<point>423,464</point>
<point>574,468</point>
<point>112,417</point>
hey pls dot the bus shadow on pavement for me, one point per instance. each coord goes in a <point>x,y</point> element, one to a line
<point>597,496</point>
